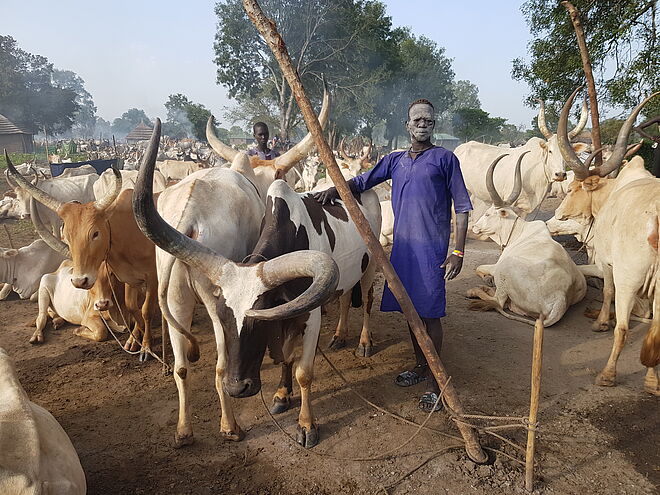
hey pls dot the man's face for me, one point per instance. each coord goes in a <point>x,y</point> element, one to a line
<point>421,122</point>
<point>261,135</point>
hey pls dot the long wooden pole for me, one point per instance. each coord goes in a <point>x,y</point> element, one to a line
<point>269,32</point>
<point>588,72</point>
<point>537,357</point>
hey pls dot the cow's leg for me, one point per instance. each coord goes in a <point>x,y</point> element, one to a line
<point>365,346</point>
<point>486,274</point>
<point>651,382</point>
<point>134,308</point>
<point>282,397</point>
<point>42,316</point>
<point>229,427</point>
<point>308,434</point>
<point>147,311</point>
<point>5,291</point>
<point>625,297</point>
<point>92,328</point>
<point>339,338</point>
<point>181,304</point>
<point>602,323</point>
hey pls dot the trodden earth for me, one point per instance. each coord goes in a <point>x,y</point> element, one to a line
<point>121,415</point>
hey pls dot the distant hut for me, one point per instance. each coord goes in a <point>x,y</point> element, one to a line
<point>142,132</point>
<point>446,141</point>
<point>15,138</point>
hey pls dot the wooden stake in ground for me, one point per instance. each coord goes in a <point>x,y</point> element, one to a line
<point>537,356</point>
<point>591,85</point>
<point>269,32</point>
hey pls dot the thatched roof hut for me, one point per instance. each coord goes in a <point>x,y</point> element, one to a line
<point>141,132</point>
<point>14,137</point>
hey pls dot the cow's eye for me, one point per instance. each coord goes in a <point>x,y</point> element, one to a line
<point>95,235</point>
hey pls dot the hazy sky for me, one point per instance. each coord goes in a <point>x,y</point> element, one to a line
<point>136,53</point>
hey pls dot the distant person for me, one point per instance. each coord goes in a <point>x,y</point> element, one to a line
<point>261,134</point>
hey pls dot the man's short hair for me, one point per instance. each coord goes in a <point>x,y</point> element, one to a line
<point>420,101</point>
<point>259,124</point>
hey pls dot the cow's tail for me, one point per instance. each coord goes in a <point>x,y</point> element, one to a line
<point>650,353</point>
<point>193,346</point>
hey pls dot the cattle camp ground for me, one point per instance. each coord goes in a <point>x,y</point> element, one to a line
<point>120,414</point>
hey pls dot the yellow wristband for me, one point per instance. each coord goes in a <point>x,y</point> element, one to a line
<point>458,253</point>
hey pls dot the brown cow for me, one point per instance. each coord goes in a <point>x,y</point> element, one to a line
<point>106,230</point>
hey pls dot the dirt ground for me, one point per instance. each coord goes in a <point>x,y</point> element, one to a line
<point>121,415</point>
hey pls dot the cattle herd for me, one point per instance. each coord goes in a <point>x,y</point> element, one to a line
<point>248,241</point>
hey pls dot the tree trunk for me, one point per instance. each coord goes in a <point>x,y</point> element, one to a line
<point>591,86</point>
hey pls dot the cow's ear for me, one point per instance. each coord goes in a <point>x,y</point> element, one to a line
<point>543,145</point>
<point>581,147</point>
<point>279,173</point>
<point>591,183</point>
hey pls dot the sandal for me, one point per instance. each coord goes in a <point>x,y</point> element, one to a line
<point>411,377</point>
<point>428,400</point>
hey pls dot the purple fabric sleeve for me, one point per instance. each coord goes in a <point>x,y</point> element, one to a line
<point>459,192</point>
<point>380,173</point>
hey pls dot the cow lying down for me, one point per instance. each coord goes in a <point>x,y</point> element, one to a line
<point>534,275</point>
<point>36,455</point>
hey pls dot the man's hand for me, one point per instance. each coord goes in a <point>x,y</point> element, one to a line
<point>328,196</point>
<point>452,266</point>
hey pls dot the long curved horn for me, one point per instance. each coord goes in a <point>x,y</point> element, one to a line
<point>497,200</point>
<point>517,181</point>
<point>9,182</point>
<point>304,147</point>
<point>226,152</point>
<point>567,151</point>
<point>53,242</point>
<point>44,198</point>
<point>319,266</point>
<point>342,149</point>
<point>158,230</point>
<point>584,116</point>
<point>592,155</point>
<point>620,147</point>
<point>110,197</point>
<point>541,121</point>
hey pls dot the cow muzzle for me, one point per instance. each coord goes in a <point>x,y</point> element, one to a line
<point>560,176</point>
<point>241,388</point>
<point>103,304</point>
<point>82,282</point>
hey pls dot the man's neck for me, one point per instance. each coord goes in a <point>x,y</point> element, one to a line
<point>417,146</point>
<point>263,149</point>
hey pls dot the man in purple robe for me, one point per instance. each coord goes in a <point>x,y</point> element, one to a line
<point>260,133</point>
<point>426,179</point>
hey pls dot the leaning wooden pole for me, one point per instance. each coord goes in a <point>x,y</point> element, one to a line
<point>588,72</point>
<point>537,357</point>
<point>269,32</point>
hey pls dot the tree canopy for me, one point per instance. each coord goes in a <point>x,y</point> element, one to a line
<point>31,93</point>
<point>185,118</point>
<point>475,124</point>
<point>128,120</point>
<point>623,43</point>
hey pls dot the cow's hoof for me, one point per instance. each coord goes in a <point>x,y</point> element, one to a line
<point>37,339</point>
<point>473,293</point>
<point>280,405</point>
<point>598,326</point>
<point>364,350</point>
<point>145,354</point>
<point>337,343</point>
<point>603,380</point>
<point>58,322</point>
<point>233,436</point>
<point>651,386</point>
<point>489,280</point>
<point>183,440</point>
<point>308,438</point>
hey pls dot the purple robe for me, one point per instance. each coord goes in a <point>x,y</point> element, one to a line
<point>268,155</point>
<point>422,195</point>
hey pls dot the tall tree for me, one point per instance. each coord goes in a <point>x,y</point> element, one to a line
<point>619,34</point>
<point>84,120</point>
<point>474,123</point>
<point>185,118</point>
<point>27,92</point>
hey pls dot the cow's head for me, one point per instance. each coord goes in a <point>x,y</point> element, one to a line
<point>354,164</point>
<point>241,290</point>
<point>268,171</point>
<point>85,230</point>
<point>499,219</point>
<point>555,166</point>
<point>591,186</point>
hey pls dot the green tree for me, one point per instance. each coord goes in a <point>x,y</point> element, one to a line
<point>476,124</point>
<point>619,34</point>
<point>28,93</point>
<point>185,118</point>
<point>84,120</point>
<point>128,120</point>
<point>466,95</point>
